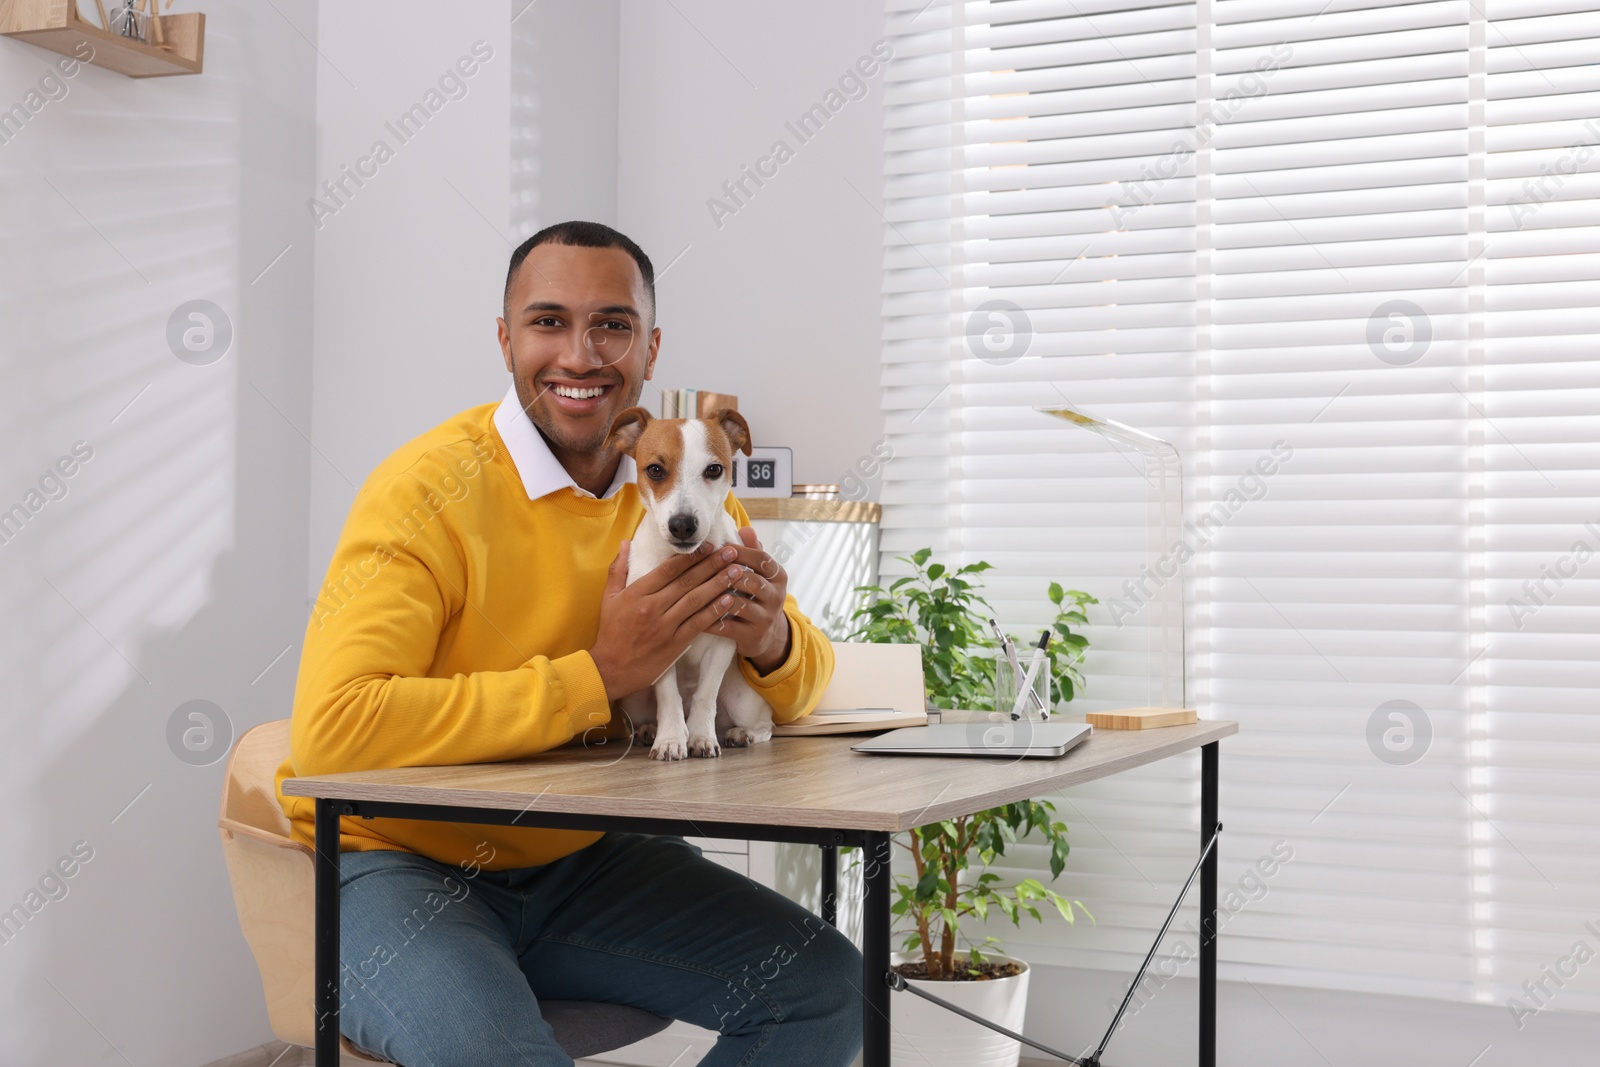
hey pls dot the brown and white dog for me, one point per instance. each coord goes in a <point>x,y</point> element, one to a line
<point>685,471</point>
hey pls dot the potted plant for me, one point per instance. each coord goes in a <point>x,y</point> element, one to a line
<point>942,610</point>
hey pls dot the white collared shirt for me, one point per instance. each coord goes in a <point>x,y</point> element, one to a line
<point>541,473</point>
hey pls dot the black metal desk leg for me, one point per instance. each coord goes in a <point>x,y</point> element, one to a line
<point>1208,906</point>
<point>327,933</point>
<point>830,884</point>
<point>875,951</point>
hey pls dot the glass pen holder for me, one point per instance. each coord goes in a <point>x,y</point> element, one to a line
<point>129,21</point>
<point>1006,684</point>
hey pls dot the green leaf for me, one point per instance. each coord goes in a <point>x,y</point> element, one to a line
<point>1055,593</point>
<point>1058,857</point>
<point>920,556</point>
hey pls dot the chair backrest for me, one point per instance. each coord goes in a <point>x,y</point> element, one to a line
<point>249,792</point>
<point>273,885</point>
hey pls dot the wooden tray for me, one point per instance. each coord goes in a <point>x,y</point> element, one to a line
<point>1140,718</point>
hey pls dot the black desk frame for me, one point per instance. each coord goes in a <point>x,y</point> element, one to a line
<point>875,920</point>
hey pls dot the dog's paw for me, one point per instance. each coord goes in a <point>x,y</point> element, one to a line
<point>704,745</point>
<point>741,737</point>
<point>669,749</point>
<point>646,733</point>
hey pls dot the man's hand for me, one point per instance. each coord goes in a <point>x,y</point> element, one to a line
<point>757,622</point>
<point>645,626</point>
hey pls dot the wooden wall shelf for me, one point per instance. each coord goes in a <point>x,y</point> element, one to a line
<point>54,24</point>
<point>777,507</point>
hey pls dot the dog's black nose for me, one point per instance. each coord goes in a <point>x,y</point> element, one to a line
<point>682,527</point>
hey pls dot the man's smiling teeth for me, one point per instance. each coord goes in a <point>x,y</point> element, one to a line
<point>572,393</point>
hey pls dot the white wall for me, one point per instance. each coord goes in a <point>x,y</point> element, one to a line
<point>172,569</point>
<point>411,266</point>
<point>779,304</point>
<point>564,84</point>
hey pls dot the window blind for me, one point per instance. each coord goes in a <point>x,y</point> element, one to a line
<point>1346,256</point>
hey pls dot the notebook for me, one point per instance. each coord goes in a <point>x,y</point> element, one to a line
<point>874,687</point>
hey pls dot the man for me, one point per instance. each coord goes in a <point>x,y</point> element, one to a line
<point>476,610</point>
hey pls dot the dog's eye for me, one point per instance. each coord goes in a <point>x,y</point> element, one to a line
<point>714,471</point>
<point>656,472</point>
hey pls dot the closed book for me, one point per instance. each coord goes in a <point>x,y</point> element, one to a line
<point>709,402</point>
<point>859,721</point>
<point>874,687</point>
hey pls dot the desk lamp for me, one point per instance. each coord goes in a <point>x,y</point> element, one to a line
<point>1160,581</point>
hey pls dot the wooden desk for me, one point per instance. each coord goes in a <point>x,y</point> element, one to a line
<point>798,789</point>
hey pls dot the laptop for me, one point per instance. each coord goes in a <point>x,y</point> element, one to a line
<point>1010,740</point>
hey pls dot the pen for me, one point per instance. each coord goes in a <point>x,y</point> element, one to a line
<point>1027,681</point>
<point>1009,649</point>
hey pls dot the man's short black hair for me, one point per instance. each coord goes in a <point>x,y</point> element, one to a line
<point>583,235</point>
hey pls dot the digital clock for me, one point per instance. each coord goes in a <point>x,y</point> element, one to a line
<point>765,472</point>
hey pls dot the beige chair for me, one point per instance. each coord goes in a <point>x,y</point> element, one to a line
<point>273,892</point>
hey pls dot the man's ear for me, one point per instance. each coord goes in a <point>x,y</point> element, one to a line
<point>735,427</point>
<point>628,428</point>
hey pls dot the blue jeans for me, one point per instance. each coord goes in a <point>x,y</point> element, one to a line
<point>444,966</point>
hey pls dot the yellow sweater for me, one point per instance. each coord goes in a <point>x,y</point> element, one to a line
<point>453,628</point>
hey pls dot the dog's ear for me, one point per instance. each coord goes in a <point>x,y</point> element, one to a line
<point>735,427</point>
<point>628,428</point>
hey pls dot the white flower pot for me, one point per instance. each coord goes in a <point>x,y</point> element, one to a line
<point>925,1035</point>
